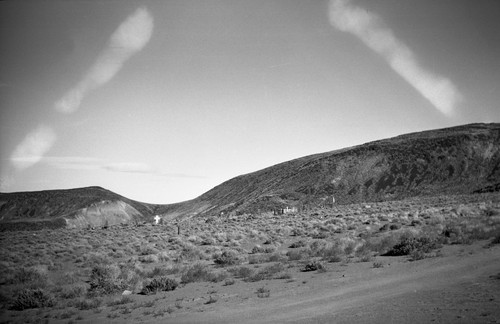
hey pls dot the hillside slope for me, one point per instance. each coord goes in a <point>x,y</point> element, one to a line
<point>458,160</point>
<point>91,206</point>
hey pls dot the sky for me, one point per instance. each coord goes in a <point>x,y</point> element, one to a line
<point>160,101</point>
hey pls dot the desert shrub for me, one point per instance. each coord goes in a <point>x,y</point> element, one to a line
<point>190,253</point>
<point>257,249</point>
<point>257,258</point>
<point>156,272</point>
<point>349,246</point>
<point>298,254</point>
<point>211,300</point>
<point>95,259</point>
<point>496,239</point>
<point>269,249</point>
<point>241,272</point>
<point>383,245</point>
<point>377,264</point>
<point>297,244</point>
<point>483,233</point>
<point>452,231</point>
<point>313,266</point>
<point>104,280</point>
<point>30,276</point>
<point>317,247</point>
<point>384,228</point>
<point>69,278</point>
<point>198,272</point>
<point>394,227</point>
<point>277,257</point>
<point>332,253</point>
<point>120,301</point>
<point>266,273</point>
<point>86,304</point>
<point>408,245</point>
<point>263,292</point>
<point>320,235</point>
<point>229,282</point>
<point>32,298</point>
<point>416,255</point>
<point>159,284</point>
<point>227,258</point>
<point>73,291</point>
<point>148,249</point>
<point>415,222</point>
<point>67,314</point>
<point>150,258</point>
<point>367,257</point>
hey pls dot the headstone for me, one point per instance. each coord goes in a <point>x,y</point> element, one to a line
<point>157,219</point>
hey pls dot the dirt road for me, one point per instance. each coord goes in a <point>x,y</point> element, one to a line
<point>455,288</point>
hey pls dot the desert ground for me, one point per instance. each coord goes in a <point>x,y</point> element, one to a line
<point>420,260</point>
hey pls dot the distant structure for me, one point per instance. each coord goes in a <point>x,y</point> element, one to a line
<point>286,210</point>
<point>157,219</point>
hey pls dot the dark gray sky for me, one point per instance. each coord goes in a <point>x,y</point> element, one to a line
<point>162,100</point>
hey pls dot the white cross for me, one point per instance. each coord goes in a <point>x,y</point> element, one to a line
<point>157,219</point>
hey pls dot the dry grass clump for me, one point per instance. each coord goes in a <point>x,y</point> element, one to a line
<point>227,258</point>
<point>105,280</point>
<point>298,254</point>
<point>417,246</point>
<point>200,272</point>
<point>72,291</point>
<point>241,272</point>
<point>314,266</point>
<point>30,277</point>
<point>263,292</point>
<point>88,303</point>
<point>270,272</point>
<point>32,298</point>
<point>159,284</point>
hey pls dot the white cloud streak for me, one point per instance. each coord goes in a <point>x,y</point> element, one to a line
<point>31,150</point>
<point>130,37</point>
<point>130,167</point>
<point>440,91</point>
<point>88,163</point>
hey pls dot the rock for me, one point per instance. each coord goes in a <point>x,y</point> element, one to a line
<point>126,293</point>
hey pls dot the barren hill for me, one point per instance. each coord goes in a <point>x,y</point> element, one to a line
<point>457,160</point>
<point>91,206</point>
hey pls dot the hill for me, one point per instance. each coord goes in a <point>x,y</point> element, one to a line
<point>82,207</point>
<point>450,161</point>
<point>458,160</point>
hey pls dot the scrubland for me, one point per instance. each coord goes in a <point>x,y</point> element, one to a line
<point>221,269</point>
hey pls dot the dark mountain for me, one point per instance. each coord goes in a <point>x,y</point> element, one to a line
<point>457,160</point>
<point>82,207</point>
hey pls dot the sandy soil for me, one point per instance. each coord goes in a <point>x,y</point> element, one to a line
<point>462,285</point>
<point>455,288</point>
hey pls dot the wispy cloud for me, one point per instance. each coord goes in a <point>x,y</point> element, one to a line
<point>88,163</point>
<point>130,167</point>
<point>72,162</point>
<point>130,37</point>
<point>369,28</point>
<point>143,168</point>
<point>31,150</point>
